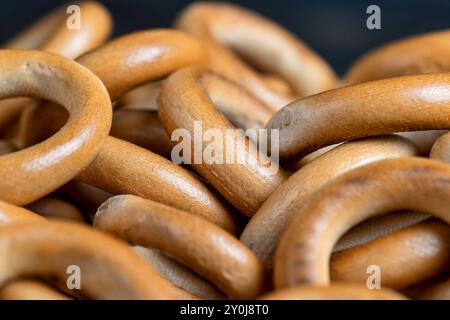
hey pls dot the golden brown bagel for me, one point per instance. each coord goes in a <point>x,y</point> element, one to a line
<point>184,100</point>
<point>267,45</point>
<point>265,228</point>
<point>203,246</point>
<point>407,103</point>
<point>384,186</point>
<point>426,53</point>
<point>110,269</point>
<point>27,173</point>
<point>336,291</point>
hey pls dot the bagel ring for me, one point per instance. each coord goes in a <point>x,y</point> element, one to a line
<point>26,173</point>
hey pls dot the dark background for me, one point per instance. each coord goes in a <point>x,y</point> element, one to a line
<point>336,29</point>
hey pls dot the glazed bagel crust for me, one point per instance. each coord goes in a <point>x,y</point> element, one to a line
<point>184,100</point>
<point>303,254</point>
<point>408,103</point>
<point>427,53</point>
<point>263,231</point>
<point>266,44</point>
<point>27,173</point>
<point>110,269</point>
<point>203,246</point>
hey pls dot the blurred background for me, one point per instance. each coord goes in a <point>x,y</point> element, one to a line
<point>335,29</point>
